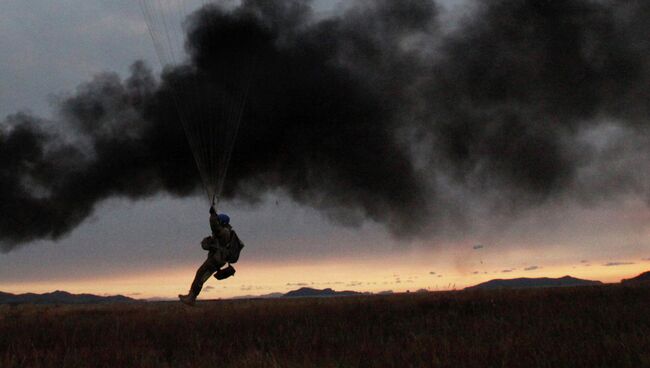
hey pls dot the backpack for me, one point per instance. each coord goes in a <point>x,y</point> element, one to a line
<point>234,247</point>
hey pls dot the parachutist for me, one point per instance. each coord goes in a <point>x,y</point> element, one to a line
<point>223,247</point>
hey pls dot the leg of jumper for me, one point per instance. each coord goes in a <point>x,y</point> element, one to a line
<point>210,266</point>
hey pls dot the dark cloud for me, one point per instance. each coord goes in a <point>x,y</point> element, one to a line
<point>45,180</point>
<point>524,102</point>
<point>609,264</point>
<point>531,268</point>
<point>478,246</point>
<point>514,90</point>
<point>297,284</point>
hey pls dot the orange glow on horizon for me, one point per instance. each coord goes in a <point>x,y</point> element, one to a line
<point>359,275</point>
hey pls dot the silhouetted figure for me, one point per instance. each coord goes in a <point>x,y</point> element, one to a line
<point>223,247</point>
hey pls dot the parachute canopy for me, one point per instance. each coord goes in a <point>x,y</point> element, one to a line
<point>210,90</point>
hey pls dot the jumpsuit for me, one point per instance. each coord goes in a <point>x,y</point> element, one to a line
<point>217,256</point>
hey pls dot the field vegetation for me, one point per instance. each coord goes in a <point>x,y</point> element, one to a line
<point>600,326</point>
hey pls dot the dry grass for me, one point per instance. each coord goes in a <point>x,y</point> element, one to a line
<point>605,326</point>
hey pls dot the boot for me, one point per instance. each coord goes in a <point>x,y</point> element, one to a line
<point>188,299</point>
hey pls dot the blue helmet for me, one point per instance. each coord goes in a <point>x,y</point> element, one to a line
<point>223,218</point>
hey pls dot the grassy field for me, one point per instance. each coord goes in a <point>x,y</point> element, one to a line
<point>604,326</point>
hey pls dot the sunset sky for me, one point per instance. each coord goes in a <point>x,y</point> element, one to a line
<point>148,247</point>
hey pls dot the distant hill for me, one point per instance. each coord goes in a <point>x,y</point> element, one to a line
<point>263,296</point>
<point>525,282</point>
<point>641,279</point>
<point>306,292</point>
<point>309,292</point>
<point>60,297</point>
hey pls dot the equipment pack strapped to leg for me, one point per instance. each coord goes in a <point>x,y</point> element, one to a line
<point>224,273</point>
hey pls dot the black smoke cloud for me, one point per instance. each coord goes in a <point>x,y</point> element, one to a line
<point>377,112</point>
<point>515,88</point>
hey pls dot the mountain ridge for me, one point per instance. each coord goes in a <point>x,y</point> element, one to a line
<point>527,282</point>
<point>641,278</point>
<point>61,297</point>
<point>306,292</point>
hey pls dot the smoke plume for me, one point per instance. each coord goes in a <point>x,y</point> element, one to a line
<point>378,112</point>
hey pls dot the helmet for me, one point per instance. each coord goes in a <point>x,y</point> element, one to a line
<point>223,218</point>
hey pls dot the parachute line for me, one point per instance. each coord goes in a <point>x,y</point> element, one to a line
<point>210,99</point>
<point>164,62</point>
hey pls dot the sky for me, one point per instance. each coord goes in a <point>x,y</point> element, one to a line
<point>593,222</point>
